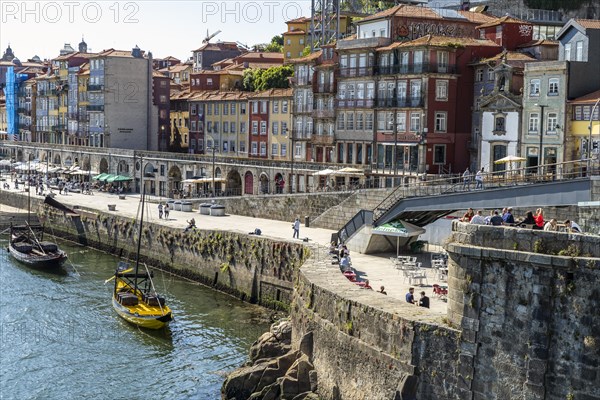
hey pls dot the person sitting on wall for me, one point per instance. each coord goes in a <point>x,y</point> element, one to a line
<point>367,286</point>
<point>191,225</point>
<point>539,219</point>
<point>528,220</point>
<point>410,297</point>
<point>424,300</point>
<point>468,215</point>
<point>508,217</point>
<point>551,225</point>
<point>572,226</point>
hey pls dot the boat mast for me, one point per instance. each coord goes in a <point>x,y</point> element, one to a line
<point>139,244</point>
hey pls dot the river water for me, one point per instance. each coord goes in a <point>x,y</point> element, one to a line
<point>61,338</point>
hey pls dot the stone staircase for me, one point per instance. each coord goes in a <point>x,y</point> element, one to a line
<point>337,216</point>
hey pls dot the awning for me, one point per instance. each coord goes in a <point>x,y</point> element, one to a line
<point>202,180</point>
<point>100,177</point>
<point>324,172</point>
<point>398,228</point>
<point>118,178</point>
<point>105,177</point>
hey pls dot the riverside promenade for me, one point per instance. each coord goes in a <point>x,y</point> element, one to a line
<point>377,269</point>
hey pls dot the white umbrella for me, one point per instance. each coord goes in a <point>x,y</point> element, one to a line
<point>509,159</point>
<point>324,172</point>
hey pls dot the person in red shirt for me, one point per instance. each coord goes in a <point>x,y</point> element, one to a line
<point>468,215</point>
<point>539,219</point>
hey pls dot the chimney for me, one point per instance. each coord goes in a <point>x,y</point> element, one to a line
<point>136,52</point>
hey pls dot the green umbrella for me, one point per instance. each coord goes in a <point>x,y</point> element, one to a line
<point>99,177</point>
<point>118,178</point>
<point>106,177</point>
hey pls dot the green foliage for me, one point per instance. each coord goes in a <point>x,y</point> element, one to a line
<point>571,251</point>
<point>306,51</point>
<point>538,246</point>
<point>257,80</point>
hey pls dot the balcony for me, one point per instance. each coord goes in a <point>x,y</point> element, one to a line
<point>400,103</point>
<point>351,72</point>
<point>303,108</point>
<point>325,88</point>
<point>95,108</point>
<point>95,88</point>
<point>59,128</point>
<point>422,68</point>
<point>350,103</point>
<point>26,127</point>
<point>325,140</point>
<point>323,113</point>
<point>300,81</point>
<point>301,135</point>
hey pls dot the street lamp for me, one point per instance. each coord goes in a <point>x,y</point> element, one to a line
<point>542,106</point>
<point>590,129</point>
<point>213,168</point>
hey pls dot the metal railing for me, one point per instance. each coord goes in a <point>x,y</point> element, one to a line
<point>457,183</point>
<point>400,102</point>
<point>344,103</point>
<point>360,219</point>
<point>418,68</point>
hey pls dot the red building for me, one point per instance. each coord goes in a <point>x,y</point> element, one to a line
<point>507,32</point>
<point>258,132</point>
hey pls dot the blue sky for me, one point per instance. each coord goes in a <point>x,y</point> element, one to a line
<point>162,27</point>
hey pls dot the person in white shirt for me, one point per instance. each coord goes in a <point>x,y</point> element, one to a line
<point>572,226</point>
<point>478,218</point>
<point>479,179</point>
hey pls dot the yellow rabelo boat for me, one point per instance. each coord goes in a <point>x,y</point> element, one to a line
<point>134,297</point>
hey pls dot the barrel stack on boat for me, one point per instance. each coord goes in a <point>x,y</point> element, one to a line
<point>27,245</point>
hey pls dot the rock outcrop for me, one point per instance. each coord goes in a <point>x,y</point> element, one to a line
<point>275,370</point>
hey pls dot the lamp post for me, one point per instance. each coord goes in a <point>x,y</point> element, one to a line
<point>213,168</point>
<point>540,160</point>
<point>590,137</point>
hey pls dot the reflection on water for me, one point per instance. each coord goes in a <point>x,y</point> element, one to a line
<point>61,339</point>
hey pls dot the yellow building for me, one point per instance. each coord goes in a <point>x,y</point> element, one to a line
<point>580,111</point>
<point>180,119</point>
<point>83,120</point>
<point>297,36</point>
<point>60,66</point>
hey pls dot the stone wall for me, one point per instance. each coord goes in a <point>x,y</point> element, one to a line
<point>253,268</point>
<point>370,346</point>
<point>280,206</point>
<point>527,303</point>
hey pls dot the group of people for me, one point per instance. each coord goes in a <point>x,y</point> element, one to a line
<point>163,210</point>
<point>341,255</point>
<point>422,302</point>
<point>467,179</point>
<point>536,221</point>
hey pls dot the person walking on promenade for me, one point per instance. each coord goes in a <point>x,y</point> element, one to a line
<point>166,211</point>
<point>479,179</point>
<point>467,179</point>
<point>160,210</point>
<point>296,227</point>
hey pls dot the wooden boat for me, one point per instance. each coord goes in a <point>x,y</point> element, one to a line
<point>134,296</point>
<point>136,301</point>
<point>27,245</point>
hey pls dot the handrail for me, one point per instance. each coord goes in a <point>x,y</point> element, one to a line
<point>360,219</point>
<point>456,182</point>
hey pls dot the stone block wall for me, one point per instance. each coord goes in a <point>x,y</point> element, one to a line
<point>253,268</point>
<point>370,346</point>
<point>281,207</point>
<point>528,316</point>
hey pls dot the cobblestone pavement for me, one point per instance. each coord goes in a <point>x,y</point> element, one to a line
<point>377,269</point>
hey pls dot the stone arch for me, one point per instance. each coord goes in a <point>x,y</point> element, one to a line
<point>174,177</point>
<point>86,164</point>
<point>57,159</point>
<point>248,182</point>
<point>122,168</point>
<point>103,166</point>
<point>278,183</point>
<point>264,183</point>
<point>149,170</point>
<point>234,183</point>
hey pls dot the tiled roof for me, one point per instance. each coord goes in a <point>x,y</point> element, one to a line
<point>218,46</point>
<point>509,56</point>
<point>477,17</point>
<point>259,55</point>
<point>273,93</point>
<point>383,14</point>
<point>308,58</point>
<point>176,68</point>
<point>296,32</point>
<point>588,98</point>
<point>298,20</point>
<point>215,95</point>
<point>156,74</point>
<point>504,20</point>
<point>589,23</point>
<point>115,53</point>
<point>540,42</point>
<point>440,41</point>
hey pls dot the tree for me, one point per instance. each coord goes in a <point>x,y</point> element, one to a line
<point>306,51</point>
<point>278,39</point>
<point>257,80</point>
<point>274,48</point>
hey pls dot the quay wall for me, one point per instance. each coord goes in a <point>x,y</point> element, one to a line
<point>253,268</point>
<point>521,324</point>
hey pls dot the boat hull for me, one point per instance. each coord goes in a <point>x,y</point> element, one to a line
<point>148,321</point>
<point>46,261</point>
